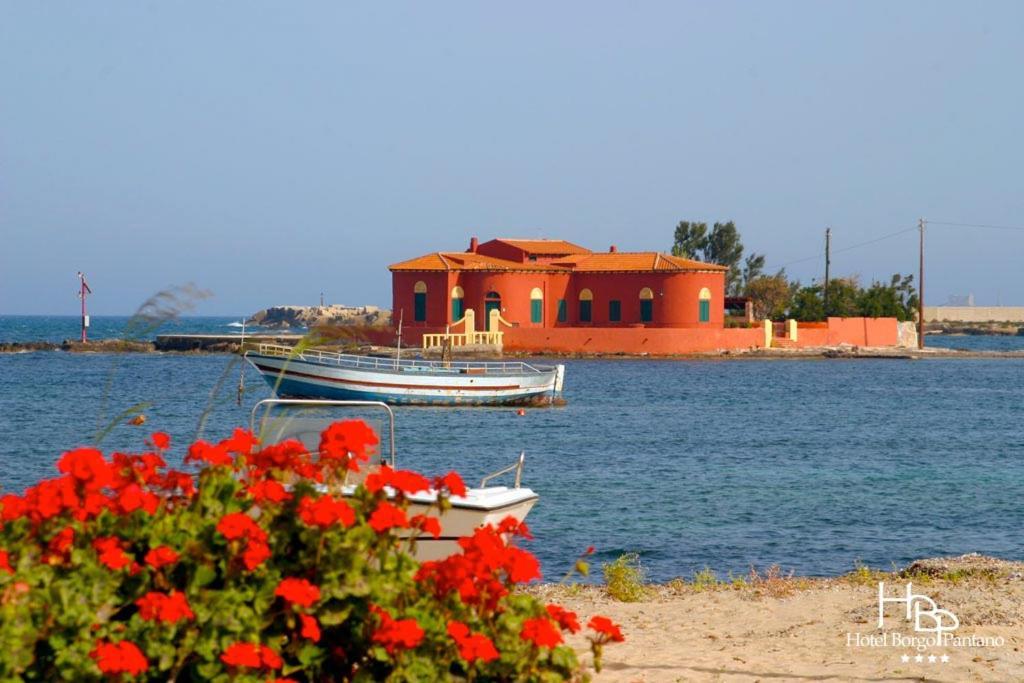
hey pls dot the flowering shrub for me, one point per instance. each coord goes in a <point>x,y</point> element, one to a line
<point>257,568</point>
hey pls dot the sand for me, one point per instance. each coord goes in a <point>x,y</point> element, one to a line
<point>797,630</point>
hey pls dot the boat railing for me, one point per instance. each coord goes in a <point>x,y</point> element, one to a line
<point>268,404</point>
<point>357,362</point>
<point>516,467</point>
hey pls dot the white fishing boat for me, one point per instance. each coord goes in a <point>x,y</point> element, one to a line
<point>281,419</point>
<point>299,373</point>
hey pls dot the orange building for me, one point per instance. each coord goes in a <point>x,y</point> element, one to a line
<point>541,283</point>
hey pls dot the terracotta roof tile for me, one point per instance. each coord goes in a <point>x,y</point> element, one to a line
<point>620,261</point>
<point>460,260</point>
<point>542,247</point>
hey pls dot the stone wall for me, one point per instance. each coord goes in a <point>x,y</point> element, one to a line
<point>974,314</point>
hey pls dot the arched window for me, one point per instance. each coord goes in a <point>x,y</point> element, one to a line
<point>705,305</point>
<point>536,305</point>
<point>586,305</point>
<point>458,305</point>
<point>646,305</point>
<point>420,301</point>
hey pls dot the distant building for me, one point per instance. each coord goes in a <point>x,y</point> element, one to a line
<point>546,283</point>
<point>960,300</point>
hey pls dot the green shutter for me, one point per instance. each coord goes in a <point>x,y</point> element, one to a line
<point>614,311</point>
<point>646,310</point>
<point>536,311</point>
<point>585,311</point>
<point>563,311</point>
<point>705,310</point>
<point>457,309</point>
<point>420,307</point>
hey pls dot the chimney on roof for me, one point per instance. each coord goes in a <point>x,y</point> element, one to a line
<point>473,244</point>
<point>612,249</point>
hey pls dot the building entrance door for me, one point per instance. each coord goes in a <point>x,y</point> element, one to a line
<point>492,302</point>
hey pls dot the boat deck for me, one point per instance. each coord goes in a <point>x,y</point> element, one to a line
<point>403,366</point>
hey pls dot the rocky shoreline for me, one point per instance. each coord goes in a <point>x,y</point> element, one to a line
<point>286,317</point>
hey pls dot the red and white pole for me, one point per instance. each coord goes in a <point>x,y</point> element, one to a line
<point>81,295</point>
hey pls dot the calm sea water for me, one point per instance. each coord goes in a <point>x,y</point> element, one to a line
<point>57,328</point>
<point>809,464</point>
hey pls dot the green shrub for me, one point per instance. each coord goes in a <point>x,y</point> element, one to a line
<point>624,578</point>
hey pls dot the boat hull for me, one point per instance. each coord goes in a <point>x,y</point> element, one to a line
<point>298,378</point>
<point>462,520</point>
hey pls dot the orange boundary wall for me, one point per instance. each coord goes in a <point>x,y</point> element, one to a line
<point>666,341</point>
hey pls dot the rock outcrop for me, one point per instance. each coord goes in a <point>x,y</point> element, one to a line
<point>282,317</point>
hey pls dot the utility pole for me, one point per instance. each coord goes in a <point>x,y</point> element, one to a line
<point>83,290</point>
<point>828,262</point>
<point>920,288</point>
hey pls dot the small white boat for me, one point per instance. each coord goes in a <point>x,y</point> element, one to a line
<point>304,420</point>
<point>320,374</point>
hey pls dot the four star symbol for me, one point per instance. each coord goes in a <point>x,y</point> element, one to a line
<point>905,658</point>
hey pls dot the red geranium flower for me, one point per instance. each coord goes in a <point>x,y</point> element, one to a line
<point>160,556</point>
<point>387,516</point>
<point>256,553</point>
<point>541,632</point>
<point>298,592</point>
<point>111,552</point>
<point>168,609</point>
<point>607,628</point>
<point>566,619</point>
<point>161,440</point>
<point>472,646</point>
<point>347,441</point>
<point>396,634</point>
<point>310,627</point>
<point>428,525</point>
<point>242,441</point>
<point>242,654</point>
<point>132,498</point>
<point>119,658</point>
<point>202,451</point>
<point>5,562</point>
<point>325,511</point>
<point>62,541</point>
<point>511,525</point>
<point>453,482</point>
<point>406,481</point>
<point>269,490</point>
<point>238,525</point>
<point>251,656</point>
<point>87,466</point>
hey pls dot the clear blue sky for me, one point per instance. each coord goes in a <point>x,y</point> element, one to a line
<point>268,151</point>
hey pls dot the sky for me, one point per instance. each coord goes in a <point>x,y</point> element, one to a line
<point>268,151</point>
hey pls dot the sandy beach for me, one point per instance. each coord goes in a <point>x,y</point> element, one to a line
<point>794,629</point>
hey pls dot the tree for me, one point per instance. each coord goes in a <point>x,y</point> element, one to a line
<point>753,267</point>
<point>806,304</point>
<point>843,297</point>
<point>897,300</point>
<point>725,248</point>
<point>691,240</point>
<point>769,295</point>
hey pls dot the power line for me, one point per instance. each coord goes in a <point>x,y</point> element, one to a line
<point>852,246</point>
<point>976,225</point>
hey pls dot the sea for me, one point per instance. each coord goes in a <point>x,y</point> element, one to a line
<point>811,465</point>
